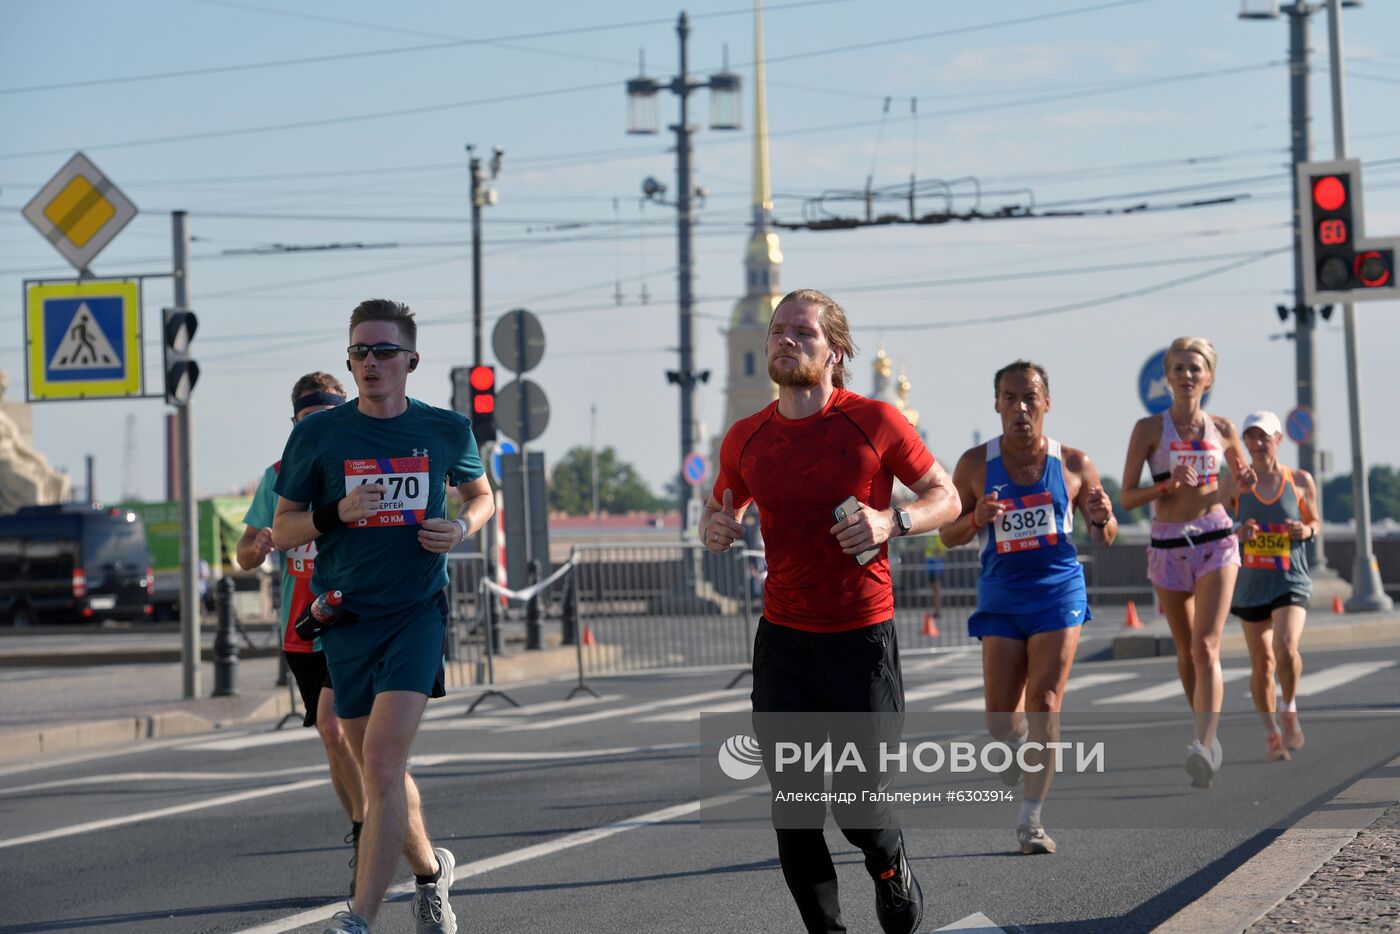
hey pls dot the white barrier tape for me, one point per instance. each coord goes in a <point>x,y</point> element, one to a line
<point>530,591</point>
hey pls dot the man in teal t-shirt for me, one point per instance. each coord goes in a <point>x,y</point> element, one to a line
<point>314,392</point>
<point>377,469</point>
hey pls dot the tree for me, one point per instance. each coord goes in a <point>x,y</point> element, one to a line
<point>1383,485</point>
<point>620,489</point>
<point>1115,495</point>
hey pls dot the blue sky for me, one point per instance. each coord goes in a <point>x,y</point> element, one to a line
<point>1130,102</point>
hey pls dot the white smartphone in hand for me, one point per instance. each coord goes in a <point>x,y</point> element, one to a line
<point>849,507</point>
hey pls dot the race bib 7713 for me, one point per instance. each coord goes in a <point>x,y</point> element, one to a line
<point>405,482</point>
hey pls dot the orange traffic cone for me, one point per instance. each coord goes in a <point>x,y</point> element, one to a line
<point>931,625</point>
<point>588,637</point>
<point>1132,621</point>
<point>1337,606</point>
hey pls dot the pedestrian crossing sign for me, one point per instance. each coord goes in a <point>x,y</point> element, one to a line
<point>83,339</point>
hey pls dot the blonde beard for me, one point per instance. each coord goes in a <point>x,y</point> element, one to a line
<point>805,374</point>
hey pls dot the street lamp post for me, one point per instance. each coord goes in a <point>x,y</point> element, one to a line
<point>642,119</point>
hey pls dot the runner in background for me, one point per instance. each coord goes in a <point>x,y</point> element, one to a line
<point>935,552</point>
<point>1271,595</point>
<point>314,392</point>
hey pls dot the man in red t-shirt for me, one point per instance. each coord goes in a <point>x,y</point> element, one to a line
<point>826,641</point>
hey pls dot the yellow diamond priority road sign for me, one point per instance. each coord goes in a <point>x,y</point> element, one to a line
<point>79,211</point>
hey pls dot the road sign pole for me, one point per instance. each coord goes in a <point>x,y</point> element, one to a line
<point>1367,591</point>
<point>524,433</point>
<point>189,509</point>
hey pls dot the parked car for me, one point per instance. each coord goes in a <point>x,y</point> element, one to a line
<point>72,564</point>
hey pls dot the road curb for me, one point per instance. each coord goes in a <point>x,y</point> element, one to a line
<point>39,741</point>
<point>1329,635</point>
<point>32,743</point>
<point>1281,868</point>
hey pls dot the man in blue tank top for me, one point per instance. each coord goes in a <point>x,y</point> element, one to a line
<point>1019,492</point>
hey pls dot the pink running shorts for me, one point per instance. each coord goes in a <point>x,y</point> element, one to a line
<point>1179,568</point>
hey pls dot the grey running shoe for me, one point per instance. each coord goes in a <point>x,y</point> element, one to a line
<point>432,911</point>
<point>1217,752</point>
<point>899,899</point>
<point>1292,732</point>
<point>347,922</point>
<point>1200,765</point>
<point>1034,839</point>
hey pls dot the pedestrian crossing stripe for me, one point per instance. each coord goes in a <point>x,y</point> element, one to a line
<point>83,339</point>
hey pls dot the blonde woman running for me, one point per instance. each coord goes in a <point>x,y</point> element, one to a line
<point>1193,556</point>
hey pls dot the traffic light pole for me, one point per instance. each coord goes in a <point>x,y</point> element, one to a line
<point>189,509</point>
<point>1305,317</point>
<point>1367,591</point>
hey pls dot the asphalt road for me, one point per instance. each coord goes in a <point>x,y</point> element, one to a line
<point>589,815</point>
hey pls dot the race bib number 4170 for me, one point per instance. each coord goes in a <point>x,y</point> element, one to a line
<point>405,482</point>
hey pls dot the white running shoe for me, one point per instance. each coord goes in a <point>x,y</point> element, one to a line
<point>1217,752</point>
<point>1033,839</point>
<point>1200,764</point>
<point>432,911</point>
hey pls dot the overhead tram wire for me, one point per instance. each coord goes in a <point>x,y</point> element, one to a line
<point>1088,303</point>
<point>434,108</point>
<point>369,53</point>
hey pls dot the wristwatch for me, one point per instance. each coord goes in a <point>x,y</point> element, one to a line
<point>901,519</point>
<point>462,524</point>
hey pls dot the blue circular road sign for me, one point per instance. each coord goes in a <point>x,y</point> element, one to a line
<point>502,447</point>
<point>1153,390</point>
<point>696,468</point>
<point>1300,425</point>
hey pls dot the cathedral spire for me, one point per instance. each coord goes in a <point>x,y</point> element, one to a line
<point>748,387</point>
<point>762,184</point>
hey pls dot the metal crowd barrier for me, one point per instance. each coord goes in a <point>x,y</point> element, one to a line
<point>650,606</point>
<point>466,631</point>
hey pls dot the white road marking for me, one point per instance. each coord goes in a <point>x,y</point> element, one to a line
<point>441,712</point>
<point>974,922</point>
<point>686,716</point>
<point>511,858</point>
<point>942,688</point>
<point>1166,690</point>
<point>617,712</point>
<point>428,761</point>
<point>128,777</point>
<point>1078,682</point>
<point>207,803</point>
<point>1338,675</point>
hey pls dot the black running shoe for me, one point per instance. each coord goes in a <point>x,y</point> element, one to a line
<point>899,900</point>
<point>353,838</point>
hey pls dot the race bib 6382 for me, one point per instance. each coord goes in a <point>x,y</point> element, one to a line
<point>405,482</point>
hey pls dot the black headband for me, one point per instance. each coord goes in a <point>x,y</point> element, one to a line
<point>319,397</point>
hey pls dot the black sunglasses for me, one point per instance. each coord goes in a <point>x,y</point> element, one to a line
<point>380,351</point>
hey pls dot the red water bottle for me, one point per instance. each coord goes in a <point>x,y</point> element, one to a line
<point>322,612</point>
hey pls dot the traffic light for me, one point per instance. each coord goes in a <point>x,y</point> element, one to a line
<point>1339,263</point>
<point>181,373</point>
<point>483,411</point>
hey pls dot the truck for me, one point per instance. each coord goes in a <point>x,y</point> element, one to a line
<point>220,526</point>
<point>74,563</point>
